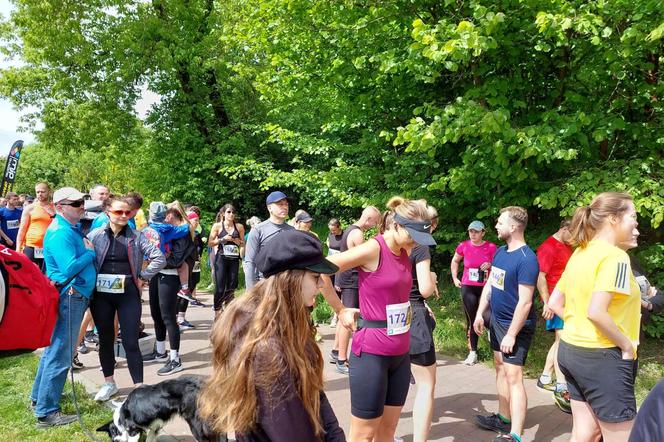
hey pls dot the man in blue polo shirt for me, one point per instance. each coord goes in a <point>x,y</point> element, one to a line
<point>69,260</point>
<point>512,281</point>
<point>10,219</point>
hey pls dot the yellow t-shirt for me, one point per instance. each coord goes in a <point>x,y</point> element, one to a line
<point>599,267</point>
<point>140,220</point>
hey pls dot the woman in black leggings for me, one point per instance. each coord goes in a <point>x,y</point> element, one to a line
<point>476,255</point>
<point>120,251</point>
<point>164,296</point>
<point>229,237</point>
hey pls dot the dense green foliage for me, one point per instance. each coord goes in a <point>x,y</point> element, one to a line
<point>472,105</point>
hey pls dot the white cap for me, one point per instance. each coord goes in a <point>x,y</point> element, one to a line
<point>67,193</point>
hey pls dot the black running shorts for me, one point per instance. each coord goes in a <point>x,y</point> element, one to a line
<point>521,344</point>
<point>376,381</point>
<point>602,378</point>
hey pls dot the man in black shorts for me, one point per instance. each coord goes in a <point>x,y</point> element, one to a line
<point>346,283</point>
<point>512,281</point>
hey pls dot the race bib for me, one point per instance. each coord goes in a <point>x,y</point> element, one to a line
<point>13,224</point>
<point>39,252</point>
<point>110,283</point>
<point>398,318</point>
<point>644,286</point>
<point>331,252</point>
<point>498,278</point>
<point>474,275</point>
<point>231,250</point>
<point>197,267</point>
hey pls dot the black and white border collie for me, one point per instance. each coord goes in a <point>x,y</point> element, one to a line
<point>147,409</point>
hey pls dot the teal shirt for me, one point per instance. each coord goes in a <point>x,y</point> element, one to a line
<point>65,255</point>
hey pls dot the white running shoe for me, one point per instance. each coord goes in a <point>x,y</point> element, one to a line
<point>108,390</point>
<point>471,359</point>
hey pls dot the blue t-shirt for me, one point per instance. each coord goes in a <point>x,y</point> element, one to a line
<point>10,219</point>
<point>508,270</point>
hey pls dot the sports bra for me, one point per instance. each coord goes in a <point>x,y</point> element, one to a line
<point>40,219</point>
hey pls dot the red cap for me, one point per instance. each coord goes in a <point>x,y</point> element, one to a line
<point>192,215</point>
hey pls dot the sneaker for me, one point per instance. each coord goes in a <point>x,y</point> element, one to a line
<point>171,367</point>
<point>334,357</point>
<point>471,359</point>
<point>186,294</point>
<point>506,438</point>
<point>551,386</point>
<point>154,356</point>
<point>342,367</point>
<point>186,325</point>
<point>106,391</point>
<point>493,423</point>
<point>54,419</point>
<point>562,401</point>
<point>82,349</point>
<point>196,303</point>
<point>76,364</point>
<point>91,337</point>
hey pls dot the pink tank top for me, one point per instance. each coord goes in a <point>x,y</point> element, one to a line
<point>389,284</point>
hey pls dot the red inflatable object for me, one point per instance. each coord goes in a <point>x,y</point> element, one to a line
<point>28,303</point>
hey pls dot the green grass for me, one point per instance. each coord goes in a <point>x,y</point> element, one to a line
<point>18,423</point>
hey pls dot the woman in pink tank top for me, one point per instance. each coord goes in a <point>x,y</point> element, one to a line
<point>380,363</point>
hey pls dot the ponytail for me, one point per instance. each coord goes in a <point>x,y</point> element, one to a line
<point>589,219</point>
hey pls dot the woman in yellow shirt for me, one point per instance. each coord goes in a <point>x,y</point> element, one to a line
<point>601,302</point>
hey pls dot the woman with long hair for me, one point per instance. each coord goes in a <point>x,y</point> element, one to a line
<point>599,299</point>
<point>228,236</point>
<point>379,360</point>
<point>267,371</point>
<point>476,254</point>
<point>120,253</point>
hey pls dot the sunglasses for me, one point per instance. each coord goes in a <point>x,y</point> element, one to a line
<point>120,212</point>
<point>230,211</point>
<point>78,203</point>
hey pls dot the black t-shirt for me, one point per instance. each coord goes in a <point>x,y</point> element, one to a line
<point>648,423</point>
<point>116,261</point>
<point>420,253</point>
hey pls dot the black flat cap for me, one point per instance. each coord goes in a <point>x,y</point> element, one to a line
<point>293,249</point>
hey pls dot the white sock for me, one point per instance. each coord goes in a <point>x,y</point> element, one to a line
<point>561,386</point>
<point>161,347</point>
<point>472,353</point>
<point>180,317</point>
<point>174,355</point>
<point>545,378</point>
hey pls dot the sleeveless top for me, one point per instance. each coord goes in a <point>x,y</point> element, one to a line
<point>334,242</point>
<point>40,219</point>
<point>348,278</point>
<point>389,285</point>
<point>229,249</point>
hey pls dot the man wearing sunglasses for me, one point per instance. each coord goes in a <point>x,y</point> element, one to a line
<point>69,260</point>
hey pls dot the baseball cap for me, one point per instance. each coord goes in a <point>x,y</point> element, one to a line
<point>157,211</point>
<point>293,249</point>
<point>476,225</point>
<point>420,231</point>
<point>275,196</point>
<point>192,215</point>
<point>67,193</point>
<point>304,217</point>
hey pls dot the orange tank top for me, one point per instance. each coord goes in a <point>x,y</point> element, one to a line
<point>40,219</point>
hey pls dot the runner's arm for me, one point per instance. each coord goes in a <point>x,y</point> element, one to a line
<point>213,241</point>
<point>598,314</point>
<point>454,267</point>
<point>253,244</point>
<point>23,228</point>
<point>522,309</point>
<point>557,302</point>
<point>426,283</point>
<point>478,323</point>
<point>364,255</point>
<point>543,288</point>
<point>5,237</point>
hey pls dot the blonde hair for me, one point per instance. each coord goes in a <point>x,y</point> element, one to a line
<point>176,205</point>
<point>588,219</point>
<point>517,214</point>
<point>259,338</point>
<point>433,215</point>
<point>411,209</point>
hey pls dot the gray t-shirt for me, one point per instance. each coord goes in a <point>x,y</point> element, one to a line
<point>259,235</point>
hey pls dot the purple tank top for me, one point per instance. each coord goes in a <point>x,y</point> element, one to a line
<point>389,284</point>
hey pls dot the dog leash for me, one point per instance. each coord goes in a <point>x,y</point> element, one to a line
<point>85,429</point>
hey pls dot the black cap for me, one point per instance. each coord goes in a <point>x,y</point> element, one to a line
<point>304,217</point>
<point>293,249</point>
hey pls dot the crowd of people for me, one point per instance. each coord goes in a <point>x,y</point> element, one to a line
<point>101,251</point>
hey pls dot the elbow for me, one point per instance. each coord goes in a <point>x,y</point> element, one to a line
<point>426,290</point>
<point>593,314</point>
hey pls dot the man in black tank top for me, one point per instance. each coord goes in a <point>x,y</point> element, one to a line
<point>346,283</point>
